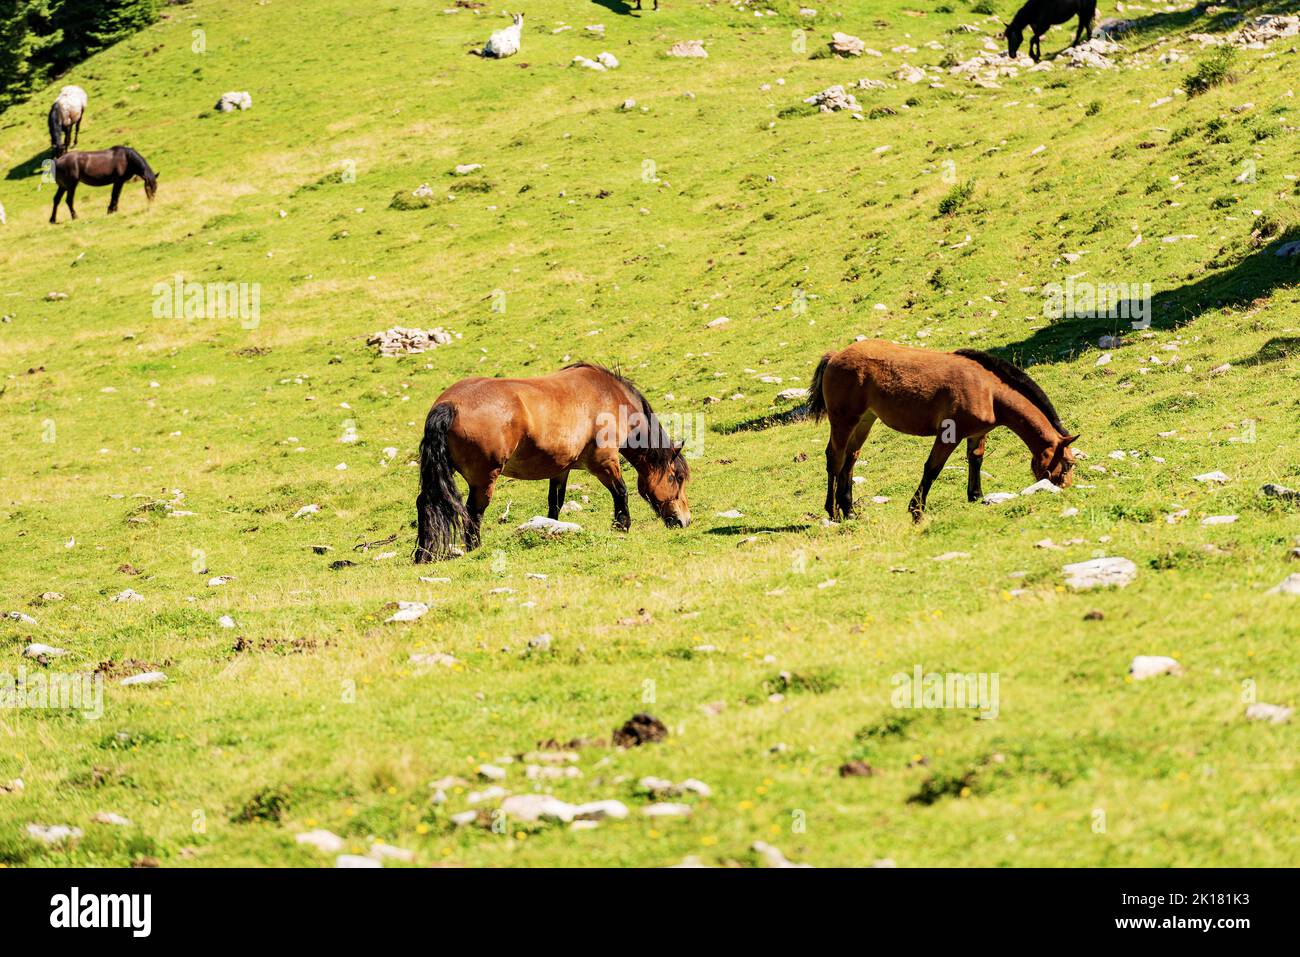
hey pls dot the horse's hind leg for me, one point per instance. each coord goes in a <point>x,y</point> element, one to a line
<point>974,463</point>
<point>480,496</point>
<point>933,466</point>
<point>844,479</point>
<point>112,203</point>
<point>555,496</point>
<point>58,198</point>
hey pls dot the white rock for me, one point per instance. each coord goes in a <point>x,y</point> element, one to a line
<point>1288,586</point>
<point>537,807</point>
<point>355,860</point>
<point>600,811</point>
<point>1148,666</point>
<point>731,513</point>
<point>147,678</point>
<point>306,510</point>
<point>326,841</point>
<point>487,795</point>
<point>110,818</point>
<point>997,498</point>
<point>382,852</point>
<point>491,772</point>
<point>607,60</point>
<point>463,169</point>
<point>1272,713</point>
<point>950,556</point>
<point>548,526</point>
<point>1099,573</point>
<point>664,809</point>
<point>408,611</point>
<point>1215,477</point>
<point>127,594</point>
<point>1042,485</point>
<point>54,833</point>
<point>36,649</point>
<point>791,395</point>
<point>225,621</point>
<point>25,618</point>
<point>231,102</point>
<point>1218,519</point>
<point>772,856</point>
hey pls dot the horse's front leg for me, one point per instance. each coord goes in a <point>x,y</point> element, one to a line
<point>58,198</point>
<point>933,466</point>
<point>610,474</point>
<point>974,464</point>
<point>72,192</point>
<point>112,202</point>
<point>555,496</point>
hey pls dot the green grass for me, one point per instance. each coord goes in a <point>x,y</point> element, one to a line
<point>615,236</point>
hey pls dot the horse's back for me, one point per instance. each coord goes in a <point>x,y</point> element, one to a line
<point>533,427</point>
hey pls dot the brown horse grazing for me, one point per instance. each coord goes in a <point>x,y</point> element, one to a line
<point>950,395</point>
<point>583,416</point>
<point>100,168</point>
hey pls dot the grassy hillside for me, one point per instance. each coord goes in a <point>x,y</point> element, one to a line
<point>156,454</point>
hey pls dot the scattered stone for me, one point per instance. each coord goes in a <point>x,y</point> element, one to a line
<point>408,611</point>
<point>225,621</point>
<point>844,44</point>
<point>548,526</point>
<point>54,833</point>
<point>380,851</point>
<point>731,513</point>
<point>641,729</point>
<point>1288,586</point>
<point>856,769</point>
<point>1272,713</point>
<point>662,787</point>
<point>464,169</point>
<point>355,860</point>
<point>21,616</point>
<point>490,772</point>
<point>1273,490</point>
<point>792,395</point>
<point>1099,573</point>
<point>834,98</point>
<point>665,809</point>
<point>772,856</point>
<point>600,811</point>
<point>326,841</point>
<point>1254,35</point>
<point>1216,477</point>
<point>146,678</point>
<point>399,340</point>
<point>997,498</point>
<point>230,102</point>
<point>950,556</point>
<point>688,48</point>
<point>1042,485</point>
<point>15,786</point>
<point>127,594</point>
<point>38,650</point>
<point>1218,519</point>
<point>1148,666</point>
<point>537,807</point>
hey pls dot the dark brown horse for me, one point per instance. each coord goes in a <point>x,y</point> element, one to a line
<point>953,396</point>
<point>100,168</point>
<point>583,416</point>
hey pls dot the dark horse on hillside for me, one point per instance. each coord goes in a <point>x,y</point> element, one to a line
<point>100,168</point>
<point>953,396</point>
<point>583,416</point>
<point>1041,15</point>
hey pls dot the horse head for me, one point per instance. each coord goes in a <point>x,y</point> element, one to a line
<point>661,481</point>
<point>1055,462</point>
<point>1014,37</point>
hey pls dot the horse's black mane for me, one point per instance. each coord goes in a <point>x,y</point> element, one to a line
<point>661,452</point>
<point>1019,380</point>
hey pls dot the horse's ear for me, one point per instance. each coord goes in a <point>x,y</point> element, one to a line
<point>1068,439</point>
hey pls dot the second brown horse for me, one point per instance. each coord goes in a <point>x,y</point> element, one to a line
<point>953,396</point>
<point>583,416</point>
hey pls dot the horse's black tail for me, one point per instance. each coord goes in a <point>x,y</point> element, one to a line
<point>440,513</point>
<point>817,401</point>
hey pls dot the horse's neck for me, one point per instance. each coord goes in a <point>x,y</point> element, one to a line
<point>1024,418</point>
<point>1021,19</point>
